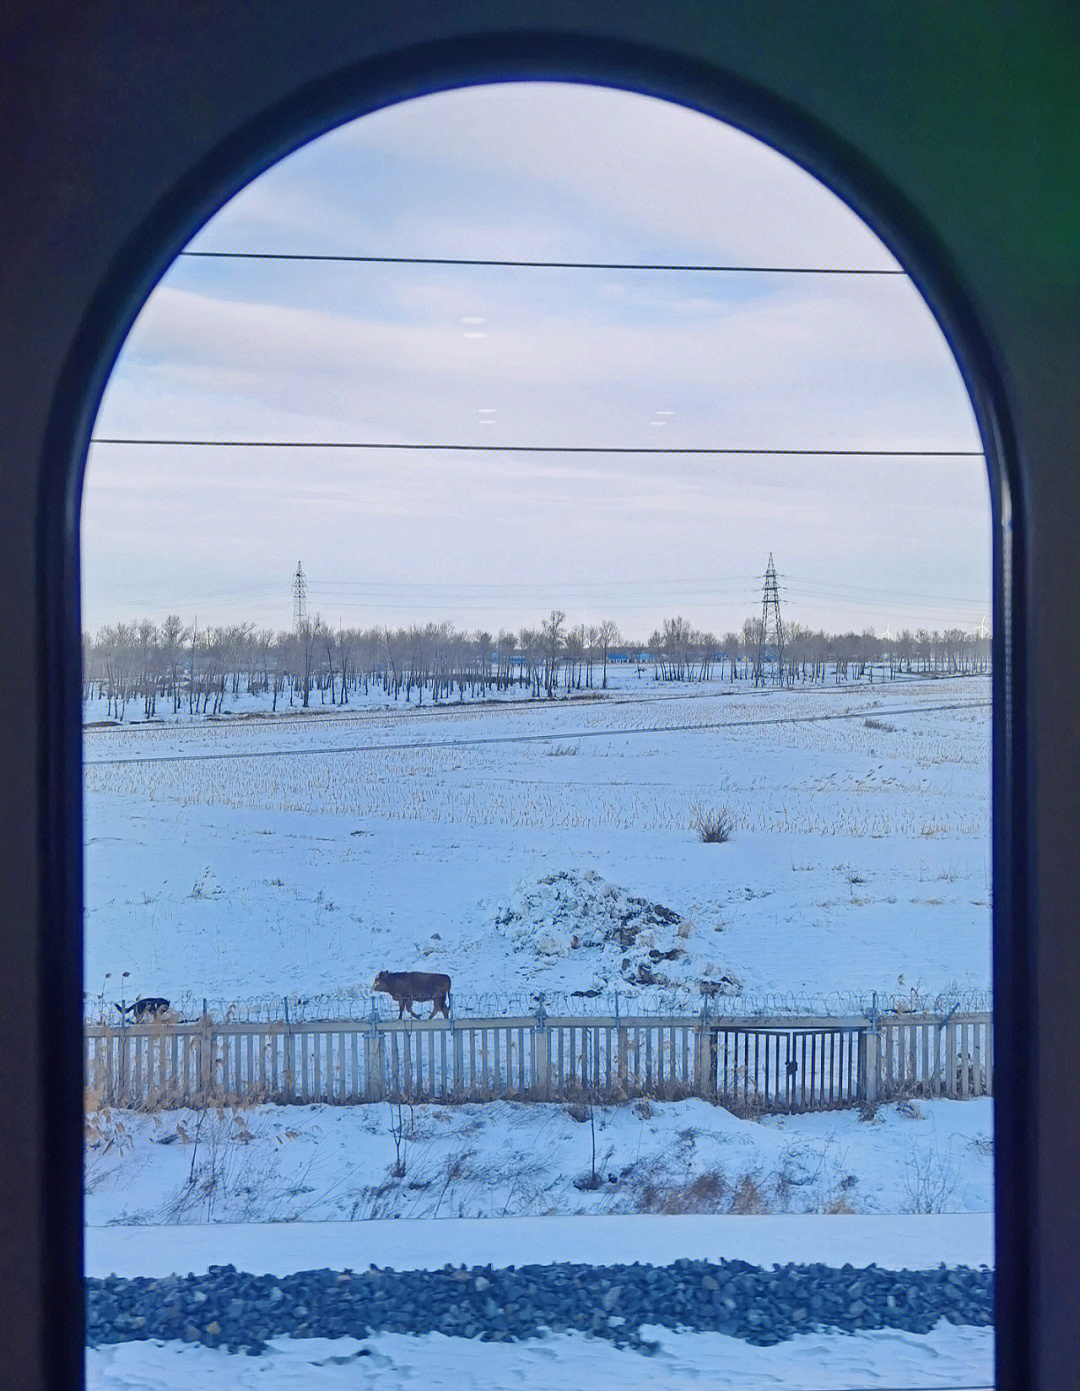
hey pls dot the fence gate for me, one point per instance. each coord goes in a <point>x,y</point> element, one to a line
<point>769,1069</point>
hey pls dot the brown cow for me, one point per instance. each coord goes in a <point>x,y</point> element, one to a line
<point>406,986</point>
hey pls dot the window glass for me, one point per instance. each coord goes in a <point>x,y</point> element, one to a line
<point>537,709</point>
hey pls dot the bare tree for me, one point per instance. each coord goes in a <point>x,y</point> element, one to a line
<point>574,649</point>
<point>310,639</point>
<point>752,638</point>
<point>172,635</point>
<point>552,634</point>
<point>608,635</point>
<point>140,659</point>
<point>506,644</point>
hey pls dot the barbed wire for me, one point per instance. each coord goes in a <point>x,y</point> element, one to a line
<point>357,1005</point>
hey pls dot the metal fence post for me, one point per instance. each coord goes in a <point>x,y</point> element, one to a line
<point>373,1079</point>
<point>713,1063</point>
<point>121,1062</point>
<point>868,1086</point>
<point>541,1052</point>
<point>622,1047</point>
<point>204,1054</point>
<point>869,1063</point>
<point>458,1051</point>
<point>952,1062</point>
<point>706,1051</point>
<point>288,1076</point>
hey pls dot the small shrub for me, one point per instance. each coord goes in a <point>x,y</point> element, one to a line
<point>880,724</point>
<point>714,825</point>
<point>748,1198</point>
<point>746,1102</point>
<point>931,1179</point>
<point>707,1188</point>
<point>704,1193</point>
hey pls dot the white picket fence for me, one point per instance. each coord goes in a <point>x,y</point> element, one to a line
<point>752,1064</point>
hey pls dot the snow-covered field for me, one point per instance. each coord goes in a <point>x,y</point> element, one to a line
<point>519,1159</point>
<point>265,858</point>
<point>256,858</point>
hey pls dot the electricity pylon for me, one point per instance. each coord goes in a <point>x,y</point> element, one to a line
<point>299,595</point>
<point>772,626</point>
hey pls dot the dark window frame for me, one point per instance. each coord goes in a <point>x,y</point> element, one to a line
<point>136,268</point>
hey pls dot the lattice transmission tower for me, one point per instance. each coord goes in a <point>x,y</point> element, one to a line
<point>299,598</point>
<point>772,626</point>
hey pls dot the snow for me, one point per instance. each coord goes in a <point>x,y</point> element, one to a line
<point>273,861</point>
<point>948,1357</point>
<point>892,1242</point>
<point>250,859</point>
<point>525,1159</point>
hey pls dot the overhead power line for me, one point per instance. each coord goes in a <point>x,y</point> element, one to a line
<point>641,609</point>
<point>540,448</point>
<point>874,596</point>
<point>740,583</point>
<point>514,264</point>
<point>726,586</point>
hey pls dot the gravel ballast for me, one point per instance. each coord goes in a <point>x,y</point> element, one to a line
<point>238,1311</point>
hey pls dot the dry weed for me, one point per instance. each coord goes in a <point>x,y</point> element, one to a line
<point>748,1198</point>
<point>714,825</point>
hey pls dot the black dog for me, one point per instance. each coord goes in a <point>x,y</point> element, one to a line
<point>149,1007</point>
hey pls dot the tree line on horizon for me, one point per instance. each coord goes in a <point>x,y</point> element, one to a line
<point>185,664</point>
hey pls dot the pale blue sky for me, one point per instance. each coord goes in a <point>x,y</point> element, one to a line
<point>280,350</point>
